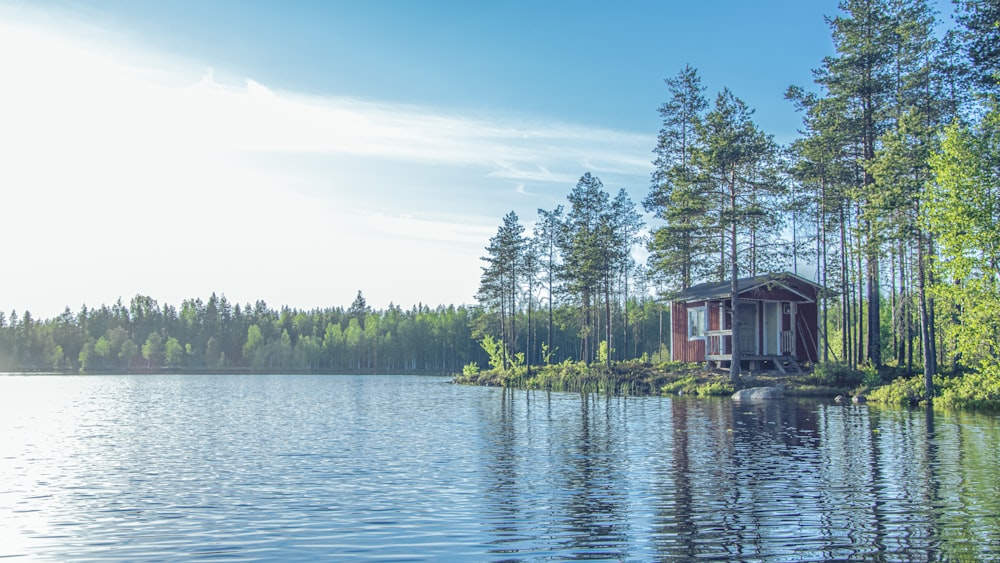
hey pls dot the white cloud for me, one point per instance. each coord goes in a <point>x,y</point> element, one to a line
<point>131,172</point>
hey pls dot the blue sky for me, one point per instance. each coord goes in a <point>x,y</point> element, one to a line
<point>297,152</point>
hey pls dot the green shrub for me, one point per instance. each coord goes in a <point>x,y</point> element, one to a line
<point>494,349</point>
<point>715,388</point>
<point>978,390</point>
<point>685,385</point>
<point>902,391</point>
<point>835,374</point>
<point>470,369</point>
<point>604,352</point>
<point>870,377</point>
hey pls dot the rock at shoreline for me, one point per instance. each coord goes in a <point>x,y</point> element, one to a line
<point>759,393</point>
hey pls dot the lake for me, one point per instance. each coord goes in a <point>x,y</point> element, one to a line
<point>407,468</point>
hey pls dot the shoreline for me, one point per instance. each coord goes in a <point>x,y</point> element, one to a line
<point>833,381</point>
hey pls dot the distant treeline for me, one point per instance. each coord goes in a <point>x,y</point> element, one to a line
<point>218,335</point>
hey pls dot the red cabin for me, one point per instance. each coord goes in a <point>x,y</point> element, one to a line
<point>779,326</point>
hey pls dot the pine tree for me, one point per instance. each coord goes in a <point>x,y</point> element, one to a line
<point>678,249</point>
<point>547,231</point>
<point>584,252</point>
<point>859,78</point>
<point>729,158</point>
<point>821,165</point>
<point>981,20</point>
<point>501,278</point>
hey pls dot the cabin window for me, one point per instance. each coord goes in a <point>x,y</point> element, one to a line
<point>697,323</point>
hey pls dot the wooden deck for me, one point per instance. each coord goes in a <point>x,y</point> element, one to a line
<point>784,364</point>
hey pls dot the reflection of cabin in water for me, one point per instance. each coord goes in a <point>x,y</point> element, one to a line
<point>778,323</point>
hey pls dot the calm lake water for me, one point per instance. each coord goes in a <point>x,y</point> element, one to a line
<point>400,468</point>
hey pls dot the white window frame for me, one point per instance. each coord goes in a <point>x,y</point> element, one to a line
<point>697,316</point>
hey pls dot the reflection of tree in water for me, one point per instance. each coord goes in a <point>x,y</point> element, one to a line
<point>595,523</point>
<point>937,487</point>
<point>675,529</point>
<point>967,462</point>
<point>591,478</point>
<point>504,491</point>
<point>560,490</point>
<point>770,483</point>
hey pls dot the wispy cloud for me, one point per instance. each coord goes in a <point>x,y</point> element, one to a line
<point>139,157</point>
<point>254,117</point>
<point>85,104</point>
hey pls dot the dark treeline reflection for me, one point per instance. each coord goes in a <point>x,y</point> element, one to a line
<point>618,478</point>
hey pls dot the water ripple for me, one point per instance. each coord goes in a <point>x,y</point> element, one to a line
<point>292,468</point>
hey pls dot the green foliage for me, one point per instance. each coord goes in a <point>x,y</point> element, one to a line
<point>677,256</point>
<point>692,385</point>
<point>716,388</point>
<point>501,278</point>
<point>684,386</point>
<point>152,350</point>
<point>979,390</point>
<point>128,352</point>
<point>870,377</point>
<point>86,356</point>
<point>494,349</point>
<point>57,358</point>
<point>213,335</point>
<point>902,391</point>
<point>604,353</point>
<point>835,374</point>
<point>962,210</point>
<point>517,361</point>
<point>547,353</point>
<point>470,369</point>
<point>174,353</point>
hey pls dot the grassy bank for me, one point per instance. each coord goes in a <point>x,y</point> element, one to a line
<point>638,378</point>
<point>967,391</point>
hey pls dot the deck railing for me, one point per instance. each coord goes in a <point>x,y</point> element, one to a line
<point>718,344</point>
<point>787,343</point>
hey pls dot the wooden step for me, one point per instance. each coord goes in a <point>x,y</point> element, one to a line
<point>786,365</point>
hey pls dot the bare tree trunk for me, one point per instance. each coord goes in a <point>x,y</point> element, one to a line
<point>895,324</point>
<point>860,300</point>
<point>734,364</point>
<point>904,310</point>
<point>908,319</point>
<point>625,321</point>
<point>931,330</point>
<point>607,313</point>
<point>845,293</point>
<point>925,332</point>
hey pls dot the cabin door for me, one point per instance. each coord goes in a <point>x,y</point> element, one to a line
<point>748,328</point>
<point>772,329</point>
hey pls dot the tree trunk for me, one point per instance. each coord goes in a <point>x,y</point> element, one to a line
<point>845,295</point>
<point>908,319</point>
<point>925,333</point>
<point>859,301</point>
<point>821,254</point>
<point>931,330</point>
<point>734,364</point>
<point>874,302</point>
<point>625,321</point>
<point>607,314</point>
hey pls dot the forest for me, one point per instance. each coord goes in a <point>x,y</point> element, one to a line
<point>889,199</point>
<point>215,335</point>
